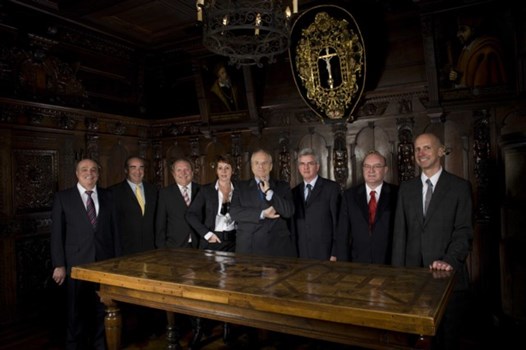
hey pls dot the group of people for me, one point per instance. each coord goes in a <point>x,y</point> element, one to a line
<point>426,221</point>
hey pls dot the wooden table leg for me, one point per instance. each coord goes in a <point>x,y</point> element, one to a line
<point>113,325</point>
<point>172,332</point>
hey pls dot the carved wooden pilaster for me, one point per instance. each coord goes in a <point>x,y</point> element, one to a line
<point>284,157</point>
<point>340,155</point>
<point>237,155</point>
<point>481,157</point>
<point>158,169</point>
<point>195,157</point>
<point>406,154</point>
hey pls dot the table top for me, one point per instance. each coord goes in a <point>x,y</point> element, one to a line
<point>410,300</point>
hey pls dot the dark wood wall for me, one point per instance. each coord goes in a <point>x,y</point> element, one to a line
<point>70,93</point>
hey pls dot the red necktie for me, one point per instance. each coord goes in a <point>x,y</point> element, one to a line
<point>372,208</point>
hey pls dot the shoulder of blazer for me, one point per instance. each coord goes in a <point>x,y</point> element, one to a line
<point>120,187</point>
<point>331,184</point>
<point>104,193</point>
<point>71,193</point>
<point>389,188</point>
<point>356,190</point>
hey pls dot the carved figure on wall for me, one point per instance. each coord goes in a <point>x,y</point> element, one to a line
<point>341,171</point>
<point>284,165</point>
<point>480,62</point>
<point>406,155</point>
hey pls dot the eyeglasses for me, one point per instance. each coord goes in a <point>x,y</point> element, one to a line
<point>307,164</point>
<point>373,167</point>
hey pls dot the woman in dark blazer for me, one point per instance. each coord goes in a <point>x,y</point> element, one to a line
<point>209,213</point>
<point>209,216</point>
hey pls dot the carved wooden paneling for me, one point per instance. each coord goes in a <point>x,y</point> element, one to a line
<point>35,180</point>
<point>405,152</point>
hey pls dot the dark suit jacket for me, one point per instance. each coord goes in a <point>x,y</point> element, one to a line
<point>267,236</point>
<point>357,243</point>
<point>136,230</point>
<point>73,239</point>
<point>201,215</point>
<point>171,228</point>
<point>315,222</point>
<point>445,234</point>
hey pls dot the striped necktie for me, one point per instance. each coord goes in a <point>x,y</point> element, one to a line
<point>186,196</point>
<point>90,208</point>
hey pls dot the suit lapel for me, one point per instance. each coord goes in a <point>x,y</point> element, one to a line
<point>416,192</point>
<point>361,198</point>
<point>383,203</point>
<point>315,192</point>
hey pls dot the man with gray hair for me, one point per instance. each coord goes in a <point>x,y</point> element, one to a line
<point>316,202</point>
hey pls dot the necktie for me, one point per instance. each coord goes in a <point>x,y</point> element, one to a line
<point>429,194</point>
<point>138,194</point>
<point>260,191</point>
<point>186,196</point>
<point>90,207</point>
<point>372,208</point>
<point>309,191</point>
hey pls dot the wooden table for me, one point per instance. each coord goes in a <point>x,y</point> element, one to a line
<point>373,306</point>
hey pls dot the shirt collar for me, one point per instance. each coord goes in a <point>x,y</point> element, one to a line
<point>82,190</point>
<point>312,183</point>
<point>434,178</point>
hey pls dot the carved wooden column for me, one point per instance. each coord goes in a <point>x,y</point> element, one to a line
<point>406,154</point>
<point>340,155</point>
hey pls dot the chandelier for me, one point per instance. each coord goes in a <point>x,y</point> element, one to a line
<point>248,32</point>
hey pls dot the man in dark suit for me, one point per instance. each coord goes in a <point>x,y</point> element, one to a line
<point>261,207</point>
<point>316,202</point>
<point>172,230</point>
<point>83,230</point>
<point>367,215</point>
<point>136,203</point>
<point>433,228</point>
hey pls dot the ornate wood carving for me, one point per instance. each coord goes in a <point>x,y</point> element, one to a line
<point>406,154</point>
<point>284,157</point>
<point>93,146</point>
<point>158,169</point>
<point>236,155</point>
<point>481,159</point>
<point>35,180</point>
<point>195,157</point>
<point>340,155</point>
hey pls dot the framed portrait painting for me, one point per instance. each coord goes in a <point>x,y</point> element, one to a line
<point>474,51</point>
